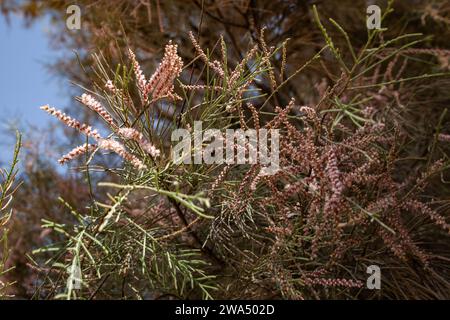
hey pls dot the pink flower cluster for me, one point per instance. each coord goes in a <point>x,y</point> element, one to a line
<point>160,85</point>
<point>105,144</point>
<point>83,128</point>
<point>94,105</point>
<point>76,152</point>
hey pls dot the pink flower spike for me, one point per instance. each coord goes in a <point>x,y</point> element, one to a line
<point>160,84</point>
<point>73,123</point>
<point>90,102</point>
<point>140,77</point>
<point>76,152</point>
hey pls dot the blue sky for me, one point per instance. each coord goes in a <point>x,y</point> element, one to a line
<point>25,82</point>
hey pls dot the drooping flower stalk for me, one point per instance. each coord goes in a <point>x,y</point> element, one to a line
<point>105,144</point>
<point>215,65</point>
<point>70,122</point>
